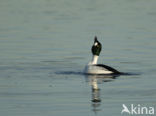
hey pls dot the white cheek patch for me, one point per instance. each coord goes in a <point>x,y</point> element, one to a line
<point>95,44</point>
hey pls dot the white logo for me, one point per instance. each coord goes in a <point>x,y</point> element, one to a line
<point>138,109</point>
<point>125,109</point>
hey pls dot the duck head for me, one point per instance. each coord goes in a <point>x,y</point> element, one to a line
<point>96,48</point>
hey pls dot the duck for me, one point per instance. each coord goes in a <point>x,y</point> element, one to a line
<point>98,69</point>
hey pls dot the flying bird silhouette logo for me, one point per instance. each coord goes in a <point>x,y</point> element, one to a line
<point>125,109</point>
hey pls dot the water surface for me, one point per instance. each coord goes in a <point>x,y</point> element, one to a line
<point>45,45</point>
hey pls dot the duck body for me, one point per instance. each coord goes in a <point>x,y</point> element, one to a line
<point>93,67</point>
<point>100,69</point>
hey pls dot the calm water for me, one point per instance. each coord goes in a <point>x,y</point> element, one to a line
<point>45,45</point>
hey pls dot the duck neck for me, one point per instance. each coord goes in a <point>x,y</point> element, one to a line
<point>95,59</point>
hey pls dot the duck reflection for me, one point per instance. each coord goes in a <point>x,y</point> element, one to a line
<point>94,80</point>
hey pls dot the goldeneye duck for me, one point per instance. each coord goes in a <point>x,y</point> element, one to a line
<point>93,67</point>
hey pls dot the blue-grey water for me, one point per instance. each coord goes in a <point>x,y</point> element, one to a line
<point>45,45</point>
